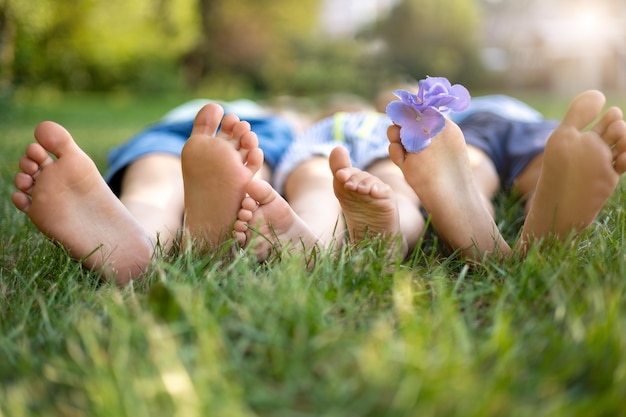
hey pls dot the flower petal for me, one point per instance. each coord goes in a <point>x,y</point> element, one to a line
<point>432,122</point>
<point>430,82</point>
<point>413,137</point>
<point>421,115</point>
<point>462,97</point>
<point>401,113</point>
<point>403,95</point>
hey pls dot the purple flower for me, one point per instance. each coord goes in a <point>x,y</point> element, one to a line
<point>421,116</point>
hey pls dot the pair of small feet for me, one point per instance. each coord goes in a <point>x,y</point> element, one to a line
<point>268,224</point>
<point>580,171</point>
<point>61,190</point>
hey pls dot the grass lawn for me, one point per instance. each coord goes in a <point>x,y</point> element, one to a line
<point>356,336</point>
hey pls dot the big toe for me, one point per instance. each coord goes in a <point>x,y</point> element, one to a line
<point>208,120</point>
<point>55,139</point>
<point>261,191</point>
<point>584,109</point>
<point>339,159</point>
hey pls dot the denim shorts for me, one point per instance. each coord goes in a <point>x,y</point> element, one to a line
<point>170,134</point>
<point>510,144</point>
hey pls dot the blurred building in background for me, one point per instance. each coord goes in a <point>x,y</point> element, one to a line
<point>564,46</point>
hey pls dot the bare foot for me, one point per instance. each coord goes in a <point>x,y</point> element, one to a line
<point>69,201</point>
<point>580,170</point>
<point>368,204</point>
<point>442,178</point>
<point>266,223</point>
<point>216,169</point>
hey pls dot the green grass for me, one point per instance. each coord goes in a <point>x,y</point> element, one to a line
<point>355,336</point>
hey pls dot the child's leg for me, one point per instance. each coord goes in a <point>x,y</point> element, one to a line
<point>152,191</point>
<point>441,175</point>
<point>69,201</point>
<point>485,176</point>
<point>526,183</point>
<point>309,191</point>
<point>580,170</point>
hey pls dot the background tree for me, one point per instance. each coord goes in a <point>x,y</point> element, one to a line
<point>7,46</point>
<point>99,45</point>
<point>249,39</point>
<point>433,37</point>
<point>227,47</point>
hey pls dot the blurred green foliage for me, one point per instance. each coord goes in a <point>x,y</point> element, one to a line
<point>223,47</point>
<point>434,37</point>
<point>96,44</point>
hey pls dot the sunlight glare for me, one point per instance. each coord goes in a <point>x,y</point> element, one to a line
<point>588,20</point>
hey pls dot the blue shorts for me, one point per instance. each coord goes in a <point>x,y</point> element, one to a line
<point>510,144</point>
<point>169,136</point>
<point>364,134</point>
